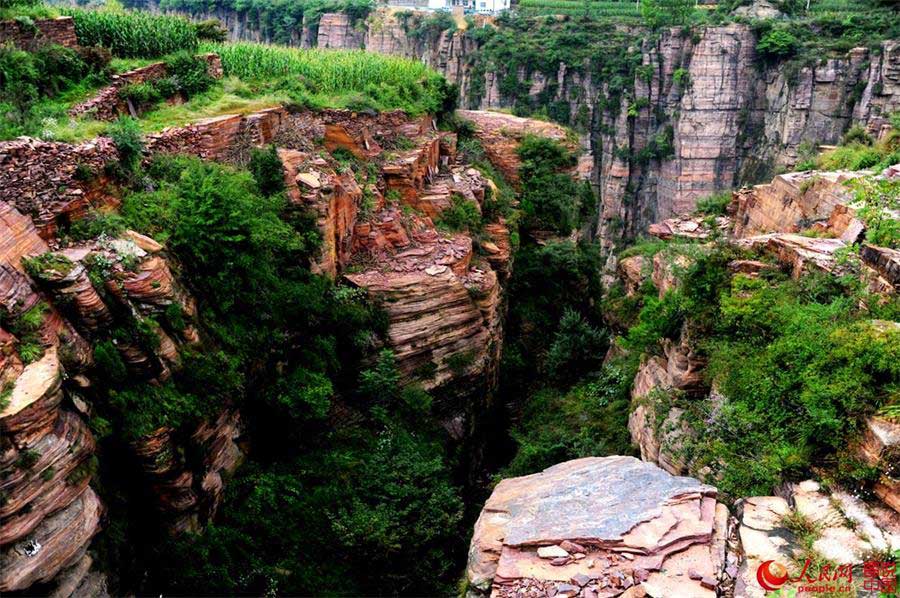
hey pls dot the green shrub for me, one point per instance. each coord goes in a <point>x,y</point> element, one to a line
<point>681,77</point>
<point>27,329</point>
<point>211,30</point>
<point>880,201</point>
<point>715,204</point>
<point>267,169</point>
<point>550,199</point>
<point>19,79</point>
<point>95,224</point>
<point>27,459</point>
<point>857,134</point>
<point>126,134</point>
<point>147,408</point>
<point>462,215</point>
<point>60,67</point>
<point>577,348</point>
<point>665,13</point>
<point>303,395</point>
<point>187,74</point>
<point>777,44</point>
<point>108,360</point>
<point>141,95</point>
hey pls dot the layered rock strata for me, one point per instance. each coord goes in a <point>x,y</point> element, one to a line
<point>612,526</point>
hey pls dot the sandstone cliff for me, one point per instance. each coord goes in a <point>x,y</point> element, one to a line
<point>667,140</point>
<point>380,218</point>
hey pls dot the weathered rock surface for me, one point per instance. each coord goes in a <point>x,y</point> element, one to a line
<point>49,513</point>
<point>617,523</point>
<point>844,530</point>
<point>500,134</point>
<point>791,201</point>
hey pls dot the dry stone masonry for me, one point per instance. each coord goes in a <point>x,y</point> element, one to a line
<point>60,30</point>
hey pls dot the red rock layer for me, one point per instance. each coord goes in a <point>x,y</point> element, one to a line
<point>49,513</point>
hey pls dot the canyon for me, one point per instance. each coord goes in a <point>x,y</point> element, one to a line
<point>729,119</point>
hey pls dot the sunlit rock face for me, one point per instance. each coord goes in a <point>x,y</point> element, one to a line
<point>602,526</point>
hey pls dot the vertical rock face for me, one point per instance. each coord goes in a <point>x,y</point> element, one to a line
<point>336,31</point>
<point>49,511</point>
<point>728,120</point>
<point>706,133</point>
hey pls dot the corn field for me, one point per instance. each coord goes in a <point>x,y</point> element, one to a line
<point>133,34</point>
<point>332,72</point>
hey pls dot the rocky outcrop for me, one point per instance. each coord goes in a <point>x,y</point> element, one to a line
<point>845,531</point>
<point>20,238</point>
<point>46,180</point>
<point>612,526</point>
<point>188,494</point>
<point>443,301</point>
<point>49,511</point>
<point>879,447</point>
<point>336,30</point>
<point>792,201</point>
<point>500,135</point>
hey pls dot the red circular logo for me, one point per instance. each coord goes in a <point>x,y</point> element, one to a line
<point>771,575</point>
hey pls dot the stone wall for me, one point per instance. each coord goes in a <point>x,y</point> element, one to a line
<point>41,179</point>
<point>107,105</point>
<point>60,30</point>
<point>55,183</point>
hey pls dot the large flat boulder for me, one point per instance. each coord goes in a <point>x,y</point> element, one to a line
<point>601,526</point>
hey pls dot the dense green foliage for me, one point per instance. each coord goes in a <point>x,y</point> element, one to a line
<point>550,199</point>
<point>589,419</point>
<point>666,13</point>
<point>29,79</point>
<point>341,78</point>
<point>133,34</point>
<point>267,170</point>
<point>799,363</point>
<point>860,153</point>
<point>369,506</point>
<point>555,340</point>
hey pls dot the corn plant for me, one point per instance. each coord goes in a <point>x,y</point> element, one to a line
<point>133,34</point>
<point>390,81</point>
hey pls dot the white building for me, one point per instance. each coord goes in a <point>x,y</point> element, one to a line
<point>491,6</point>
